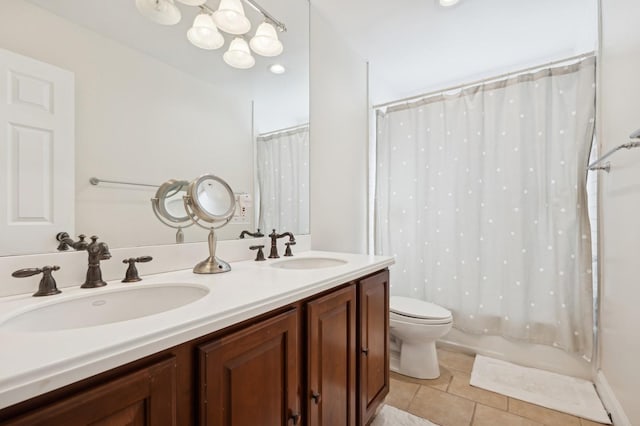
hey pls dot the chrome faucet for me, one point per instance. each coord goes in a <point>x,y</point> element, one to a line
<point>97,252</point>
<point>273,254</point>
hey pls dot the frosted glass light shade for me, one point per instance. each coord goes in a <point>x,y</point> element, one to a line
<point>265,42</point>
<point>204,33</point>
<point>230,17</point>
<point>447,3</point>
<point>239,55</point>
<point>193,2</point>
<point>163,12</point>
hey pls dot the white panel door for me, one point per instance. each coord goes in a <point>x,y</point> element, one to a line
<point>37,137</point>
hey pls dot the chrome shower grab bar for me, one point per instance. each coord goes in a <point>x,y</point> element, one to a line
<point>96,181</point>
<point>634,143</point>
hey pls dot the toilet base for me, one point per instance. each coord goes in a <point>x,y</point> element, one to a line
<point>419,361</point>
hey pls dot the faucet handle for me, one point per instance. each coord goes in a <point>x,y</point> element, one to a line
<point>47,286</point>
<point>287,251</point>
<point>131,276</point>
<point>81,244</point>
<point>60,237</point>
<point>66,241</point>
<point>260,255</point>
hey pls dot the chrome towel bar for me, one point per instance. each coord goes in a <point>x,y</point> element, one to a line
<point>96,181</point>
<point>633,143</point>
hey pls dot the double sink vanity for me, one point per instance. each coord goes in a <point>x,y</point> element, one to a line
<point>280,342</point>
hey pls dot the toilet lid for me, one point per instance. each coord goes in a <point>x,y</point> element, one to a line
<point>417,308</point>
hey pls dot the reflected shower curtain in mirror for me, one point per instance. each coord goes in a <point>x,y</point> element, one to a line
<point>283,179</point>
<point>481,198</point>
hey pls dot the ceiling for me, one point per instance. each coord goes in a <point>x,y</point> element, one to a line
<point>412,46</point>
<point>415,46</point>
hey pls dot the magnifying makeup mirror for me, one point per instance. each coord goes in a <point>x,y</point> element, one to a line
<point>168,206</point>
<point>210,204</point>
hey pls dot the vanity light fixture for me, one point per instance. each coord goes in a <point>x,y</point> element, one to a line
<point>204,33</point>
<point>277,69</point>
<point>230,18</point>
<point>448,3</point>
<point>239,55</point>
<point>163,12</point>
<point>265,42</point>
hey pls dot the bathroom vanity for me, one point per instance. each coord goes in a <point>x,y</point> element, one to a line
<point>270,343</point>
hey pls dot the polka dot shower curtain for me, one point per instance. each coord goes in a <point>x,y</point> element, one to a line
<point>283,180</point>
<point>481,198</point>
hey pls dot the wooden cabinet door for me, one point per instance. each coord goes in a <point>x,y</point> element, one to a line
<point>251,377</point>
<point>331,359</point>
<point>373,295</point>
<point>146,397</point>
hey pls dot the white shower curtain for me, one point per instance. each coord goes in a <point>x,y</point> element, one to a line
<point>283,179</point>
<point>481,198</point>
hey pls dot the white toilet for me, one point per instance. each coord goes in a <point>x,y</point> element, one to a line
<point>415,325</point>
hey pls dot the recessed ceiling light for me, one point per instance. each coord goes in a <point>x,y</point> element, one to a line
<point>447,3</point>
<point>277,68</point>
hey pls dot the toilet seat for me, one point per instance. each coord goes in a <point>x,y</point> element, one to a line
<point>418,311</point>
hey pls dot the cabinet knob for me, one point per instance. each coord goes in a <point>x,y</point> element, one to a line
<point>315,396</point>
<point>295,417</point>
<point>365,351</point>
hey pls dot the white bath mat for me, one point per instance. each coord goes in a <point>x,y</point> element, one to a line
<point>562,393</point>
<point>391,416</point>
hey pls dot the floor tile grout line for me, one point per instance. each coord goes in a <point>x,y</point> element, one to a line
<point>473,415</point>
<point>449,383</point>
<point>415,393</point>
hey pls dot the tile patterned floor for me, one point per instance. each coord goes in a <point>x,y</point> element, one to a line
<point>451,401</point>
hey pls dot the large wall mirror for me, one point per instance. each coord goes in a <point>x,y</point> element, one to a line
<point>150,106</point>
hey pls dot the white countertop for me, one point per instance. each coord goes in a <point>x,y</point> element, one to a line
<point>32,363</point>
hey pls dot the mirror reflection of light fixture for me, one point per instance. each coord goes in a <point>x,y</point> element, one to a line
<point>265,42</point>
<point>277,69</point>
<point>204,33</point>
<point>163,12</point>
<point>230,17</point>
<point>239,55</point>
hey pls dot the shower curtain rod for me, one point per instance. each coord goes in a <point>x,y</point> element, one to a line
<point>286,129</point>
<point>484,80</point>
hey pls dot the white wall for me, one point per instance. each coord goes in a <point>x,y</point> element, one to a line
<point>619,116</point>
<point>415,46</point>
<point>137,119</point>
<point>339,141</point>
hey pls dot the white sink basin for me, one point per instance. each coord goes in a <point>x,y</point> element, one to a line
<point>308,263</point>
<point>105,307</point>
